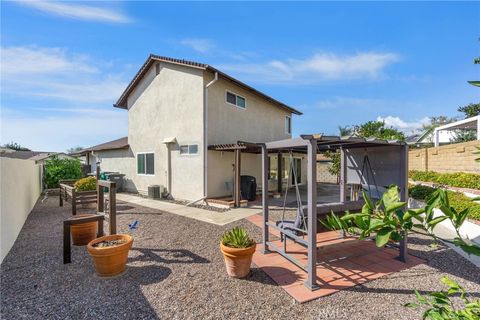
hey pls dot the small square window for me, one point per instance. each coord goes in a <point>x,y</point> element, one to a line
<point>193,149</point>
<point>235,99</point>
<point>184,149</point>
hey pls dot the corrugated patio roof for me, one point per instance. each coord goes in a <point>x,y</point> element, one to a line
<point>122,101</point>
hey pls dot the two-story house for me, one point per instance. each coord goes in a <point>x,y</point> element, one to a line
<point>176,110</point>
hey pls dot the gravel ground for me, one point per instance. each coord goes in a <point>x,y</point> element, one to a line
<point>175,271</point>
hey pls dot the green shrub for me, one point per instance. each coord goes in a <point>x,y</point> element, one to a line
<point>457,200</point>
<point>59,169</point>
<point>439,305</point>
<point>86,184</point>
<point>456,179</point>
<point>237,238</point>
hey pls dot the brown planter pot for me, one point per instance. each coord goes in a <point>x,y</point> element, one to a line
<point>110,261</point>
<point>238,260</point>
<point>83,233</point>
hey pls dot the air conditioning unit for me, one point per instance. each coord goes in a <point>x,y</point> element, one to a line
<point>155,191</point>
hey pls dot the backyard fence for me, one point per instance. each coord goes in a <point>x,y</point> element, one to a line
<point>459,157</point>
<point>20,188</point>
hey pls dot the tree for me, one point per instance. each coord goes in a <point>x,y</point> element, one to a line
<point>464,136</point>
<point>58,169</point>
<point>74,149</point>
<point>16,146</point>
<point>470,110</point>
<point>345,131</point>
<point>378,129</point>
<point>370,129</point>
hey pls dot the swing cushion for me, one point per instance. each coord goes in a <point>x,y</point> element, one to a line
<point>293,225</point>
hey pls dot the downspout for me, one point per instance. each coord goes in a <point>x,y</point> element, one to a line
<point>205,136</point>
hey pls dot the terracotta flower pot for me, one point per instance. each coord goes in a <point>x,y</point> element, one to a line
<point>238,260</point>
<point>110,261</point>
<point>83,233</point>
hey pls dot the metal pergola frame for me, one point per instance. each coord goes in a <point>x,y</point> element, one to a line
<point>311,144</point>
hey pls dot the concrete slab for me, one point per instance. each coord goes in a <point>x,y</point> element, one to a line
<point>218,218</point>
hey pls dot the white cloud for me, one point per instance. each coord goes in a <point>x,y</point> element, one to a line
<point>408,127</point>
<point>55,73</point>
<point>197,44</point>
<point>319,67</point>
<point>76,11</point>
<point>58,132</point>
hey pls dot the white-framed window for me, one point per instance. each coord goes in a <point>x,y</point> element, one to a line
<point>146,163</point>
<point>235,99</point>
<point>288,124</point>
<point>188,149</point>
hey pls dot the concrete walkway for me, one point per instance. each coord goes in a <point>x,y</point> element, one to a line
<point>218,218</point>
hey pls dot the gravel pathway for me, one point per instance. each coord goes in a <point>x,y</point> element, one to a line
<point>175,271</point>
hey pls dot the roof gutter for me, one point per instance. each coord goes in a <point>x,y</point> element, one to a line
<point>205,135</point>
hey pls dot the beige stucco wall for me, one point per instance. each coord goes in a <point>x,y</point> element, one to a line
<point>169,104</point>
<point>20,185</point>
<point>122,161</point>
<point>261,121</point>
<point>458,157</point>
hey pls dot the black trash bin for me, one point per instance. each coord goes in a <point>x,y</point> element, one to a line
<point>248,188</point>
<point>117,178</point>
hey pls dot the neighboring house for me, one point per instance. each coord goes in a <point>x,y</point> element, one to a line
<point>446,133</point>
<point>177,109</point>
<point>426,138</point>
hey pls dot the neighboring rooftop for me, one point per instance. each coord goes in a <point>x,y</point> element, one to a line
<point>122,101</point>
<point>121,143</point>
<point>14,154</point>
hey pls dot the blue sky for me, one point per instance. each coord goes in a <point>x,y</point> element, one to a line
<point>65,63</point>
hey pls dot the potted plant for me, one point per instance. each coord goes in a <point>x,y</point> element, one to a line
<point>110,253</point>
<point>237,248</point>
<point>83,233</point>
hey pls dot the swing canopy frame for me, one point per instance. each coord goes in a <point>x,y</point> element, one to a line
<point>372,163</point>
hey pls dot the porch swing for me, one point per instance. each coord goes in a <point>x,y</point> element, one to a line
<point>292,229</point>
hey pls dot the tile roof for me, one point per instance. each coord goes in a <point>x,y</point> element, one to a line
<point>121,143</point>
<point>122,101</point>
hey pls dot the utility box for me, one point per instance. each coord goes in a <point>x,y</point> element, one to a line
<point>154,192</point>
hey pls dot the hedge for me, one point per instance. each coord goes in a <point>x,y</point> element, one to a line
<point>456,199</point>
<point>58,169</point>
<point>456,179</point>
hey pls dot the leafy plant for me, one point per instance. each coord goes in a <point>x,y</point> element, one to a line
<point>470,110</point>
<point>440,304</point>
<point>86,184</point>
<point>456,199</point>
<point>334,168</point>
<point>385,218</point>
<point>388,220</point>
<point>57,169</point>
<point>237,238</point>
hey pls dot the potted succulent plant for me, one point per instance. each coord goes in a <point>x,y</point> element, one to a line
<point>110,253</point>
<point>237,248</point>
